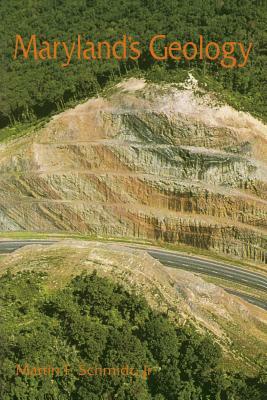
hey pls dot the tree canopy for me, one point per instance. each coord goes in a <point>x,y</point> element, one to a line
<point>96,323</point>
<point>31,89</point>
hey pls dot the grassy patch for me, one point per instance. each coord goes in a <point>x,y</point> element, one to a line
<point>21,129</point>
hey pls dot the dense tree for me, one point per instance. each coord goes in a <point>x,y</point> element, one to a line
<point>30,89</point>
<point>95,323</point>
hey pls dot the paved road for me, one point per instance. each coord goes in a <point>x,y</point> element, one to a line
<point>248,298</point>
<point>8,246</point>
<point>213,268</point>
<point>189,263</point>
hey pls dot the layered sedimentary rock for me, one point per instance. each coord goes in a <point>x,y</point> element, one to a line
<point>162,162</point>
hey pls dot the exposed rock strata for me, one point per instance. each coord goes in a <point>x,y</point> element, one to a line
<point>146,161</point>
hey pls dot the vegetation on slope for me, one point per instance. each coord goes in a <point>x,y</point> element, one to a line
<point>31,89</point>
<point>95,323</point>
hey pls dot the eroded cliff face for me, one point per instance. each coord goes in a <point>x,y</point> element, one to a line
<point>146,161</point>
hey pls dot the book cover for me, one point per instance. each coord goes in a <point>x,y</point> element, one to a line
<point>133,143</point>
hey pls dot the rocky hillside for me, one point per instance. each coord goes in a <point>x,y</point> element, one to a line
<point>239,327</point>
<point>163,162</point>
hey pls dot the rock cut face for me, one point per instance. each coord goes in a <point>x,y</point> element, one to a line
<point>162,162</point>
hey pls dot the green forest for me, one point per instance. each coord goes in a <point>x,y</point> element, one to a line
<point>95,322</point>
<point>32,89</point>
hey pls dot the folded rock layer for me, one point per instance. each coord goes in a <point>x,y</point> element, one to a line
<point>164,162</point>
